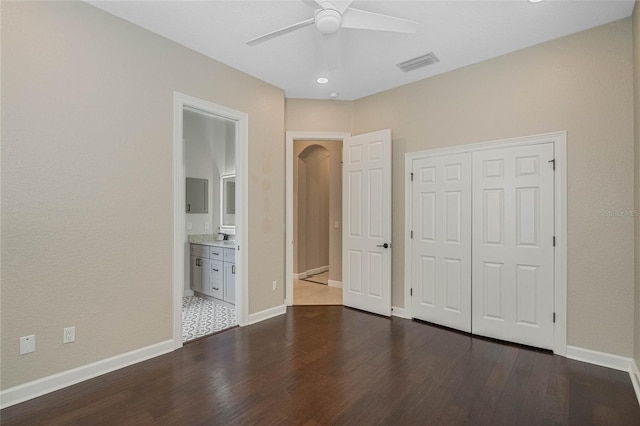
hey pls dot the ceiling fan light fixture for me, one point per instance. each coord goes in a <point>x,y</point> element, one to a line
<point>328,21</point>
<point>322,80</point>
<point>535,1</point>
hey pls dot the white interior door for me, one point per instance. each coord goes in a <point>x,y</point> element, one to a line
<point>513,253</point>
<point>366,206</point>
<point>441,243</point>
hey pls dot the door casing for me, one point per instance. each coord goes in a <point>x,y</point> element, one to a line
<point>559,140</point>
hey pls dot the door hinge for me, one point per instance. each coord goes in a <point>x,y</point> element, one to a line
<point>411,292</point>
<point>411,176</point>
<point>412,234</point>
<point>554,317</point>
<point>554,241</point>
<point>553,163</point>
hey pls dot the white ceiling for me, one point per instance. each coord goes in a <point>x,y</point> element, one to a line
<point>460,33</point>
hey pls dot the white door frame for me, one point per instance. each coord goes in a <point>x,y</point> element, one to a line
<point>290,138</point>
<point>241,119</point>
<point>559,140</point>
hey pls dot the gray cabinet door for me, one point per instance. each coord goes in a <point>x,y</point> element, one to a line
<point>197,195</point>
<point>206,271</point>
<point>196,274</point>
<point>230,282</point>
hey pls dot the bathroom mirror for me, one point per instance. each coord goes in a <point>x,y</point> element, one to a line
<point>228,203</point>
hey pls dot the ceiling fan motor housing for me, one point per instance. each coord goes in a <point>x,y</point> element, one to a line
<point>328,20</point>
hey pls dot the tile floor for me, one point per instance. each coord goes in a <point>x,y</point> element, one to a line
<point>322,278</point>
<point>308,293</point>
<point>201,317</point>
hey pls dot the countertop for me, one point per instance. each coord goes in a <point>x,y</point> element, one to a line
<point>210,240</point>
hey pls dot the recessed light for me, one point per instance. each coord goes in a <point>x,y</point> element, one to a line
<point>322,80</point>
<point>333,95</point>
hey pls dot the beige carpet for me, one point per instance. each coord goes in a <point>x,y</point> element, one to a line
<point>307,293</point>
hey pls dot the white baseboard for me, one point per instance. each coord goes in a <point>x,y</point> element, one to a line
<point>318,270</point>
<point>635,378</point>
<point>399,312</point>
<point>333,283</point>
<point>267,313</point>
<point>602,359</point>
<point>314,271</point>
<point>36,388</point>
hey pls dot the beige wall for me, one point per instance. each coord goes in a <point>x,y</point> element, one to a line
<point>636,109</point>
<point>581,83</point>
<point>313,115</point>
<point>334,149</point>
<point>87,182</point>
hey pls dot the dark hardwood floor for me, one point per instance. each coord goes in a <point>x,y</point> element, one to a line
<point>333,365</point>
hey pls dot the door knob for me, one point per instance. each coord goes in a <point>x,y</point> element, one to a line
<point>385,245</point>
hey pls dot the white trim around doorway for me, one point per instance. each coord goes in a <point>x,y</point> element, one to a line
<point>290,138</point>
<point>241,119</point>
<point>559,140</point>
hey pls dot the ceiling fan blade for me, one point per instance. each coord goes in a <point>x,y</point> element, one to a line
<point>339,5</point>
<point>363,20</point>
<point>331,51</point>
<point>281,31</point>
<point>313,4</point>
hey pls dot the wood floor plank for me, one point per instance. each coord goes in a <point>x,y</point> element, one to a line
<point>320,365</point>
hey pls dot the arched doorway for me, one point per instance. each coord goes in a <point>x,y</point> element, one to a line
<point>317,198</point>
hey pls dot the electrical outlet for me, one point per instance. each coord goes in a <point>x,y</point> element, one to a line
<point>206,225</point>
<point>69,335</point>
<point>27,344</point>
<point>189,226</point>
<point>336,224</point>
<point>275,285</point>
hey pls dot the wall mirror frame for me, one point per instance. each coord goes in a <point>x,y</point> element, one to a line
<point>228,203</point>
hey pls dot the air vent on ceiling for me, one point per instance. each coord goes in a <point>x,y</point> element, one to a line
<point>419,62</point>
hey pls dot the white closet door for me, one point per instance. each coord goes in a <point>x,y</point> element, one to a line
<point>366,210</point>
<point>441,244</point>
<point>513,254</point>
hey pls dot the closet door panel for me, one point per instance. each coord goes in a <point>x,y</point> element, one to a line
<point>513,253</point>
<point>441,244</point>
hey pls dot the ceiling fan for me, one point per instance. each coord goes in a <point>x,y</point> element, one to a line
<point>330,16</point>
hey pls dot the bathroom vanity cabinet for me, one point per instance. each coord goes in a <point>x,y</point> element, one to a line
<point>213,270</point>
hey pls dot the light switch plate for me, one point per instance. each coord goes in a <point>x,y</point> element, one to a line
<point>27,344</point>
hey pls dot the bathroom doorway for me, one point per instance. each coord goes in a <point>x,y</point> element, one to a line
<point>210,160</point>
<point>208,305</point>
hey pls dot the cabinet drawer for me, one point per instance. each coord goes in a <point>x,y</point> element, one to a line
<point>230,255</point>
<point>217,272</point>
<point>216,253</point>
<point>216,291</point>
<point>199,251</point>
<point>216,279</point>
